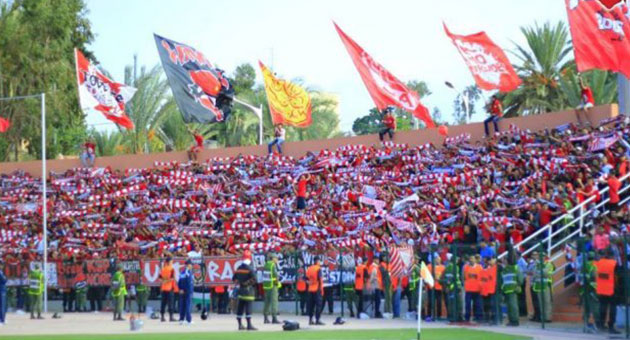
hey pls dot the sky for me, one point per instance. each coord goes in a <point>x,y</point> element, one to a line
<point>298,40</point>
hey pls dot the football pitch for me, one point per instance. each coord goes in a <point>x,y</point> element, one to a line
<point>390,334</point>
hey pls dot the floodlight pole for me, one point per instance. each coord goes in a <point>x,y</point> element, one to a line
<point>42,96</point>
<point>258,112</point>
<point>464,97</point>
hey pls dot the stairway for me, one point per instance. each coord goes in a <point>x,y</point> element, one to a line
<point>566,306</point>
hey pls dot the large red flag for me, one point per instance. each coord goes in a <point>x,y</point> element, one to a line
<point>97,92</point>
<point>600,30</point>
<point>487,62</point>
<point>384,88</point>
<point>4,125</point>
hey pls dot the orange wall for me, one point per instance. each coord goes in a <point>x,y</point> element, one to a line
<point>298,149</point>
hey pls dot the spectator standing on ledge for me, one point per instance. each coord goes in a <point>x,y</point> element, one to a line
<point>278,139</point>
<point>587,102</point>
<point>88,155</point>
<point>194,150</point>
<point>389,122</point>
<point>496,113</point>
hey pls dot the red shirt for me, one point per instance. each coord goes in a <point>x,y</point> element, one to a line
<point>587,95</point>
<point>496,108</point>
<point>90,147</point>
<point>390,121</point>
<point>199,140</point>
<point>301,192</point>
<point>614,185</point>
<point>545,217</point>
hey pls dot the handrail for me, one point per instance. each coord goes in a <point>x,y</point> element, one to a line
<point>584,213</point>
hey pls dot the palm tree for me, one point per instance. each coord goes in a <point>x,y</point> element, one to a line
<point>109,143</point>
<point>603,84</point>
<point>543,62</point>
<point>148,108</point>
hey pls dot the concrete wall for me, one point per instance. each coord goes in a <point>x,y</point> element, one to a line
<point>298,149</point>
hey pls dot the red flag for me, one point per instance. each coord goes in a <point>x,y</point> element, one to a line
<point>97,92</point>
<point>384,88</point>
<point>4,125</point>
<point>487,62</point>
<point>600,31</point>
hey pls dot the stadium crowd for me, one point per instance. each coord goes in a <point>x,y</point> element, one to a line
<point>485,194</point>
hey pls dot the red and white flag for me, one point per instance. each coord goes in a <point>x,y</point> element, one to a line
<point>487,62</point>
<point>384,88</point>
<point>4,125</point>
<point>601,33</point>
<point>97,92</point>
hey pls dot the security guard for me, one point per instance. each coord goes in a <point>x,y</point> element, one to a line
<point>35,290</point>
<point>606,291</point>
<point>386,284</point>
<point>360,275</point>
<point>347,282</point>
<point>452,288</point>
<point>301,289</point>
<point>511,282</point>
<point>437,291</point>
<point>270,286</point>
<point>586,278</point>
<point>80,286</point>
<point>542,285</point>
<point>167,275</point>
<point>245,278</point>
<point>315,291</point>
<point>472,287</point>
<point>119,291</point>
<point>186,286</point>
<point>488,290</point>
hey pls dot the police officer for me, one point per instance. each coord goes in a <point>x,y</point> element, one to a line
<point>347,283</point>
<point>3,294</point>
<point>35,290</point>
<point>245,278</point>
<point>386,284</point>
<point>142,296</point>
<point>586,278</point>
<point>119,291</point>
<point>315,291</point>
<point>511,283</point>
<point>270,286</point>
<point>606,291</point>
<point>186,287</point>
<point>452,287</point>
<point>542,284</point>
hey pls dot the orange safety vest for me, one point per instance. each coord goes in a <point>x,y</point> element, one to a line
<point>301,285</point>
<point>168,279</point>
<point>359,277</point>
<point>314,283</point>
<point>219,289</point>
<point>489,281</point>
<point>605,277</point>
<point>439,270</point>
<point>472,274</point>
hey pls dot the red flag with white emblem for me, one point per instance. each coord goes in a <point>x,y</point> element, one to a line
<point>97,92</point>
<point>601,33</point>
<point>384,88</point>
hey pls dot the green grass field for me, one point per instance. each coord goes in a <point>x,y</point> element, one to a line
<point>398,334</point>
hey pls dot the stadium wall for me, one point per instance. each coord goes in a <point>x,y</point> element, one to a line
<point>298,149</point>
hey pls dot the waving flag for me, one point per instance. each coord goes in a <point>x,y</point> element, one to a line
<point>487,62</point>
<point>97,92</point>
<point>384,88</point>
<point>425,273</point>
<point>289,103</point>
<point>4,125</point>
<point>601,33</point>
<point>203,94</point>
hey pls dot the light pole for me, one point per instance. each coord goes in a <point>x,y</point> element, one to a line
<point>259,113</point>
<point>42,96</point>
<point>464,97</point>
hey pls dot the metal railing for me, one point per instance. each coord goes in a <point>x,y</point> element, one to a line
<point>584,212</point>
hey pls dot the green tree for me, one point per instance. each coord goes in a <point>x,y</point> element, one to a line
<point>108,143</point>
<point>461,115</point>
<point>603,84</point>
<point>369,124</point>
<point>543,62</point>
<point>37,38</point>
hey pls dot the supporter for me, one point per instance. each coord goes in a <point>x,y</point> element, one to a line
<point>586,103</point>
<point>194,150</point>
<point>278,138</point>
<point>389,124</point>
<point>88,154</point>
<point>496,113</point>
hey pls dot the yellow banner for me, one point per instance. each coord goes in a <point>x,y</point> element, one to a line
<point>289,103</point>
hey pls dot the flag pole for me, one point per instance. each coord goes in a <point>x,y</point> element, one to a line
<point>258,112</point>
<point>419,309</point>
